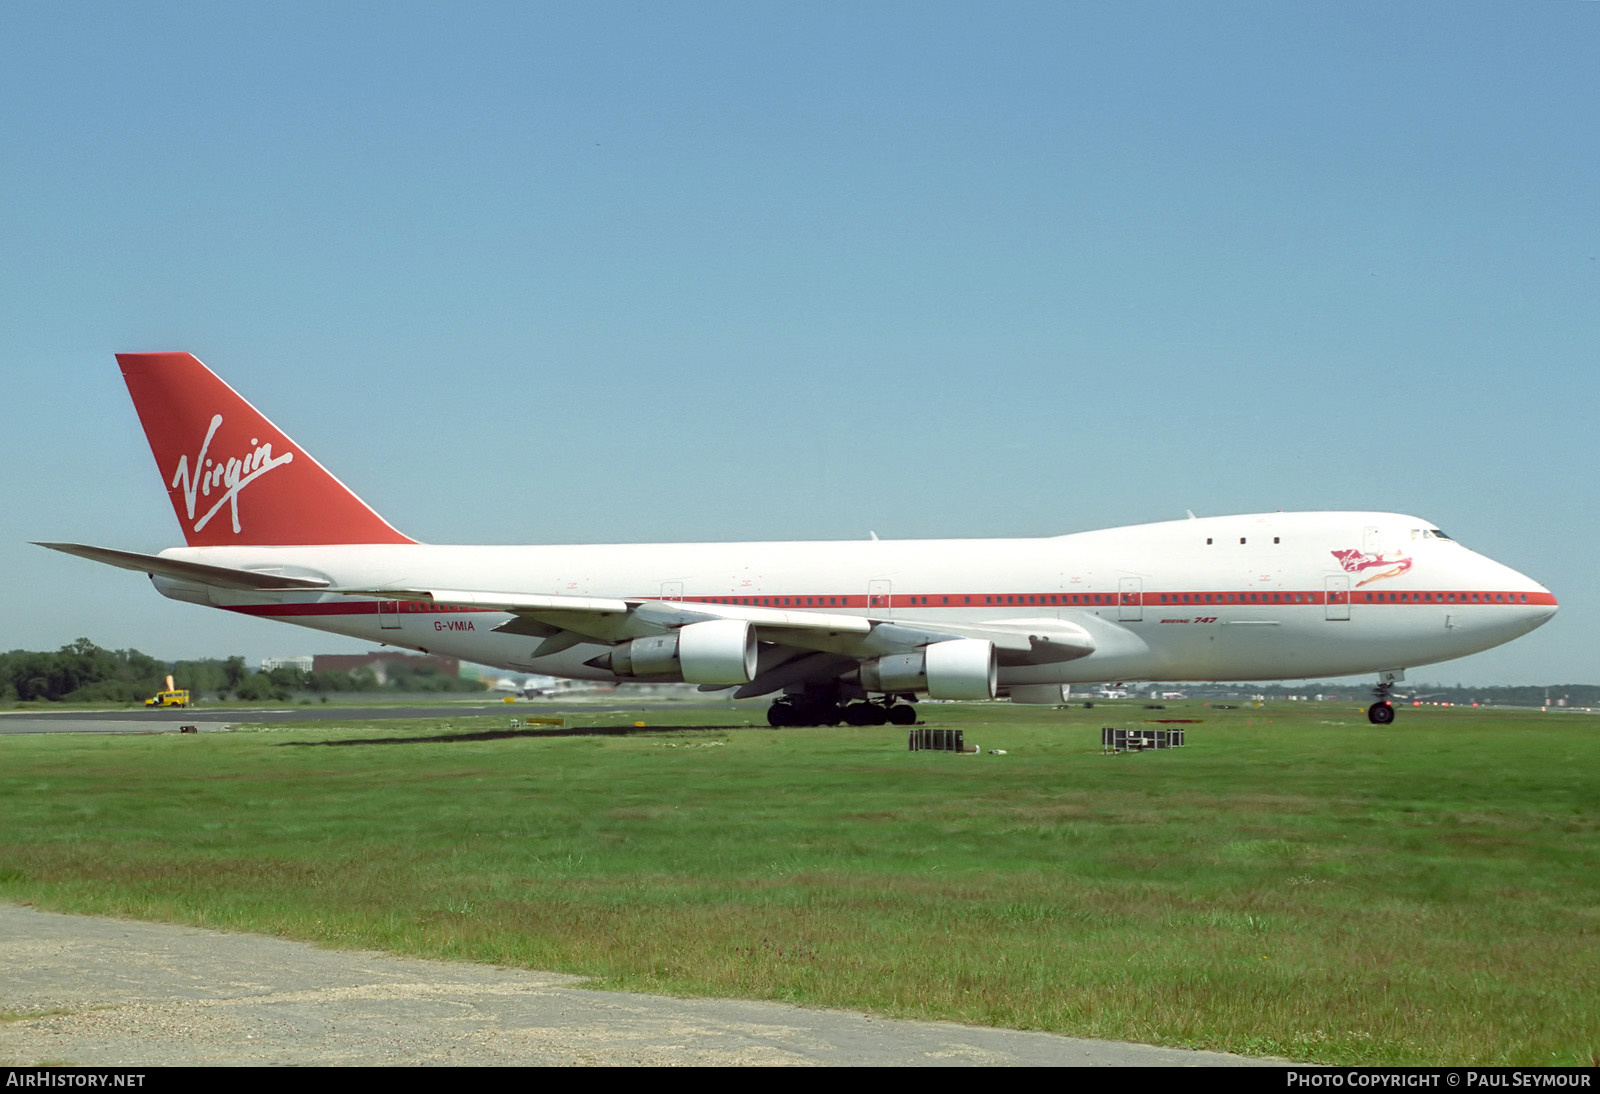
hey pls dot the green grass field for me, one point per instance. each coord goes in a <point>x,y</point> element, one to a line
<point>1294,883</point>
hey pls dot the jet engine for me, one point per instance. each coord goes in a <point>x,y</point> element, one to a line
<point>962,668</point>
<point>717,651</point>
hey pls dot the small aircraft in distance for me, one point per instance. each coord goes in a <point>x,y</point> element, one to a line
<point>839,631</point>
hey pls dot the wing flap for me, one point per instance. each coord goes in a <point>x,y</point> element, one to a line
<point>1039,641</point>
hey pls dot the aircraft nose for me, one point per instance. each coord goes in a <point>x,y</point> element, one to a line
<point>1543,601</point>
<point>1521,603</point>
<point>1536,605</point>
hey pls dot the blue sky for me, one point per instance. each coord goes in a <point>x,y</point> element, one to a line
<point>600,272</point>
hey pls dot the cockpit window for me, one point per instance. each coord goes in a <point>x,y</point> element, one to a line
<point>1434,533</point>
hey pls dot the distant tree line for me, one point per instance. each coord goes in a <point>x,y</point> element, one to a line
<point>83,672</point>
<point>1523,695</point>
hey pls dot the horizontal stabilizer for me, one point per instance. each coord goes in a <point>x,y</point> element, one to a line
<point>224,577</point>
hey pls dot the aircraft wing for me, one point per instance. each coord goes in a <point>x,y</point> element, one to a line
<point>606,619</point>
<point>794,645</point>
<point>565,621</point>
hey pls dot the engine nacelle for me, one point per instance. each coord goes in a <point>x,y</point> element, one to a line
<point>963,668</point>
<point>717,651</point>
<point>1040,694</point>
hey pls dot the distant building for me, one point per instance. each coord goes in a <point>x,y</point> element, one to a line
<point>378,661</point>
<point>301,663</point>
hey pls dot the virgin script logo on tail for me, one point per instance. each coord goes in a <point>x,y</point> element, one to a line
<point>228,476</point>
<point>1356,561</point>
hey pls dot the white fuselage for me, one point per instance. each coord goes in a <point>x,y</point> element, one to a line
<point>1280,595</point>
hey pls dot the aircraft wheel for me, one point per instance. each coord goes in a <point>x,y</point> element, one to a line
<point>865,714</point>
<point>817,714</point>
<point>903,714</point>
<point>1380,714</point>
<point>780,715</point>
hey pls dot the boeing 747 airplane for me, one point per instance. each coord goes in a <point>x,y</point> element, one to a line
<point>838,631</point>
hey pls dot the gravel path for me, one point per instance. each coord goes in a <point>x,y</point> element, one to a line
<point>111,992</point>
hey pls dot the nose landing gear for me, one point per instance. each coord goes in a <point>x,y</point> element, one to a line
<point>1381,713</point>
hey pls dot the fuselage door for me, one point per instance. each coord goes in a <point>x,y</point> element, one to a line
<point>1337,588</point>
<point>672,590</point>
<point>389,615</point>
<point>1130,599</point>
<point>880,599</point>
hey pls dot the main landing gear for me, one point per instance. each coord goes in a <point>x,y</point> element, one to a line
<point>1381,713</point>
<point>827,709</point>
<point>886,712</point>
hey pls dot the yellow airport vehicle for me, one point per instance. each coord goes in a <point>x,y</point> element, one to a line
<point>179,698</point>
<point>172,697</point>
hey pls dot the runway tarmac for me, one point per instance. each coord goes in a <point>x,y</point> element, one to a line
<point>213,719</point>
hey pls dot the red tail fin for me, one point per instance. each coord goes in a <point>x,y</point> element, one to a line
<point>234,477</point>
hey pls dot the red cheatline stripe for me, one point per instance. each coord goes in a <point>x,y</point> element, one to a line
<point>1209,599</point>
